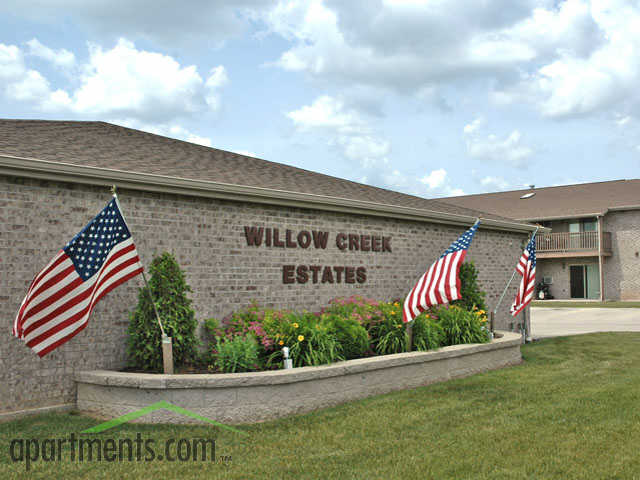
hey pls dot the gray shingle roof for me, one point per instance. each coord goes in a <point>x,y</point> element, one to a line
<point>100,144</point>
<point>556,202</point>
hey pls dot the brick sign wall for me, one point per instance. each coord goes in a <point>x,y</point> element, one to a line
<point>371,256</point>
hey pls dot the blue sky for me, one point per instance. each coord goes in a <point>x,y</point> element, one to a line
<point>433,98</point>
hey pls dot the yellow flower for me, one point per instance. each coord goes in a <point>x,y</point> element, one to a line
<point>300,338</point>
<point>396,304</point>
<point>280,342</point>
<point>398,326</point>
<point>295,325</point>
<point>427,316</point>
<point>393,312</point>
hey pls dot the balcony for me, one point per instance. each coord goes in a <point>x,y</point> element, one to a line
<point>567,244</point>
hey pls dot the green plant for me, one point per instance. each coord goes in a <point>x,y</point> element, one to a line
<point>427,333</point>
<point>310,340</point>
<point>211,326</point>
<point>351,336</point>
<point>238,354</point>
<point>364,310</point>
<point>469,288</point>
<point>462,326</point>
<point>169,290</point>
<point>388,333</point>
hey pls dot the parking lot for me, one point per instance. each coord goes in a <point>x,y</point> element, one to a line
<point>553,322</point>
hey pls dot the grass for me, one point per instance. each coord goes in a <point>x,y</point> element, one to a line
<point>579,304</point>
<point>571,410</point>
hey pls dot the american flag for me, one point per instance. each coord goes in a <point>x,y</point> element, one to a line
<point>441,283</point>
<point>62,296</point>
<point>527,268</point>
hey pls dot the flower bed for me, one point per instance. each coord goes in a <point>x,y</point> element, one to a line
<point>347,328</point>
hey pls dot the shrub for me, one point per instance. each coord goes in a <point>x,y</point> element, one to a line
<point>427,333</point>
<point>462,326</point>
<point>472,296</point>
<point>388,333</point>
<point>251,320</point>
<point>310,341</point>
<point>238,354</point>
<point>169,290</point>
<point>352,337</point>
<point>363,310</point>
<point>211,326</point>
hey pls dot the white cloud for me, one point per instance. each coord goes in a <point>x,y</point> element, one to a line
<point>31,86</point>
<point>22,84</point>
<point>622,120</point>
<point>246,153</point>
<point>342,126</point>
<point>165,23</point>
<point>61,58</point>
<point>122,81</point>
<point>578,82</point>
<point>147,85</point>
<point>411,46</point>
<point>509,149</point>
<point>434,184</point>
<point>494,184</point>
<point>435,179</point>
<point>164,129</point>
<point>473,126</point>
<point>11,62</point>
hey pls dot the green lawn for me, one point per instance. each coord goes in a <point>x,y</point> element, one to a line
<point>571,410</point>
<point>578,304</point>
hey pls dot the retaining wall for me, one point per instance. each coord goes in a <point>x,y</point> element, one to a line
<point>253,397</point>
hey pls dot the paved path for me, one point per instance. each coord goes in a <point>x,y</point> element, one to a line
<point>554,322</point>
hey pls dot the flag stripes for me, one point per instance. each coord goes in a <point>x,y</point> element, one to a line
<point>527,268</point>
<point>59,300</point>
<point>441,283</point>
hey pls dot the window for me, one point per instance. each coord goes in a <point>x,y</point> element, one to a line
<point>590,225</point>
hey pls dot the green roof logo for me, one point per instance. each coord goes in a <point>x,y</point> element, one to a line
<point>162,405</point>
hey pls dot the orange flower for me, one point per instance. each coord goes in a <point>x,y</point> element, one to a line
<point>280,342</point>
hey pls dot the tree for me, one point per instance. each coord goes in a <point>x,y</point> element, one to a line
<point>469,288</point>
<point>169,290</point>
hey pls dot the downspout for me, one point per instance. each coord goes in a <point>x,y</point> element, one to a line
<point>600,258</point>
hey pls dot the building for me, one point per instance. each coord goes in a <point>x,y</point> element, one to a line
<point>207,206</point>
<point>593,251</point>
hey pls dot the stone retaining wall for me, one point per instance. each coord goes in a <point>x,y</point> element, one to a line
<point>258,396</point>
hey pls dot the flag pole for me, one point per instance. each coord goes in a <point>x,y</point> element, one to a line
<point>167,347</point>
<point>495,310</point>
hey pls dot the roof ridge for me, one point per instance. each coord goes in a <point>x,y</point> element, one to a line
<point>536,189</point>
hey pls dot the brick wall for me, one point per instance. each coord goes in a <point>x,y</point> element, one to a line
<point>558,269</point>
<point>37,218</point>
<point>622,268</point>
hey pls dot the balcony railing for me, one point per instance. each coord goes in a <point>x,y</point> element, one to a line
<point>567,242</point>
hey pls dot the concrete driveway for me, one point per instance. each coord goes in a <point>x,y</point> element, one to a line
<point>555,322</point>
